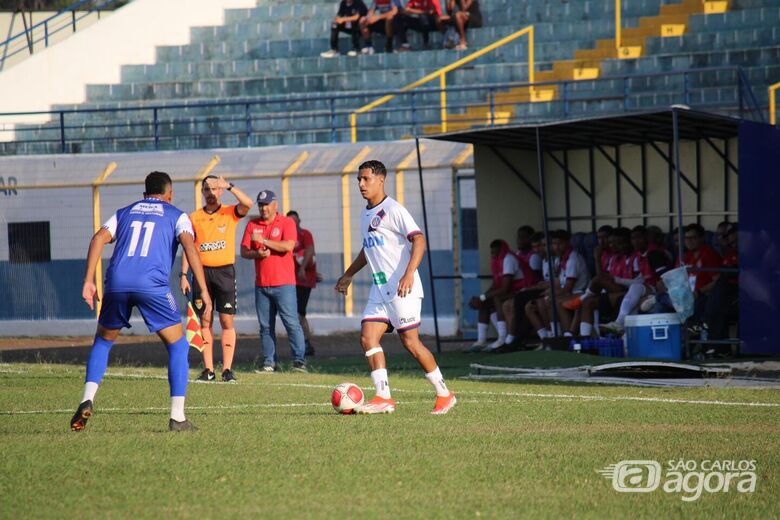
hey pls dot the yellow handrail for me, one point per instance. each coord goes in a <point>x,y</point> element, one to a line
<point>773,103</point>
<point>441,73</point>
<point>618,28</point>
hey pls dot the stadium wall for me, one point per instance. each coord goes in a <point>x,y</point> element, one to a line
<point>44,297</point>
<point>60,73</point>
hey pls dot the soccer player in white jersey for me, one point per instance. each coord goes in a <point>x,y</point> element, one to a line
<point>393,247</point>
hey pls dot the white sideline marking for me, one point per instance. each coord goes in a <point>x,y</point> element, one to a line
<point>567,397</point>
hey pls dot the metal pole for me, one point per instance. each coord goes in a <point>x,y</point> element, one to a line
<point>428,246</point>
<point>548,241</point>
<point>62,132</point>
<point>676,138</point>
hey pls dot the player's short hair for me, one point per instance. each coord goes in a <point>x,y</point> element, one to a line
<point>606,228</point>
<point>561,234</point>
<point>528,229</point>
<point>156,183</point>
<point>376,167</point>
<point>639,229</point>
<point>205,180</point>
<point>537,238</point>
<point>496,244</point>
<point>293,213</point>
<point>622,232</point>
<point>697,228</point>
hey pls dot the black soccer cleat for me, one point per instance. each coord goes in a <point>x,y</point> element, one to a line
<point>82,415</point>
<point>181,426</point>
<point>228,376</point>
<point>205,376</point>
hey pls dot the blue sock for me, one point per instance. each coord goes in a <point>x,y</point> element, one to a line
<point>178,367</point>
<point>98,360</point>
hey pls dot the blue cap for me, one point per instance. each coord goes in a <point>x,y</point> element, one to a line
<point>266,197</point>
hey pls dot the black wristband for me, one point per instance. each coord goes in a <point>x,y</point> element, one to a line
<point>182,273</point>
<point>230,186</point>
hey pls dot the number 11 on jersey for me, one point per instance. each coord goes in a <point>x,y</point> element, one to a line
<point>148,229</point>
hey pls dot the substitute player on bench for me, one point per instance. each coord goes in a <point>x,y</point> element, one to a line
<point>146,235</point>
<point>393,247</point>
<point>215,240</point>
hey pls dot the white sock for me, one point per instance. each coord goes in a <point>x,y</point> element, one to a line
<point>494,320</point>
<point>379,377</point>
<point>509,338</point>
<point>630,301</point>
<point>501,328</point>
<point>482,329</point>
<point>555,327</point>
<point>543,333</point>
<point>586,329</point>
<point>90,389</point>
<point>588,293</point>
<point>437,380</point>
<point>177,408</point>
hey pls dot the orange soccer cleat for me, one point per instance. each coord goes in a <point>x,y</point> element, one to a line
<point>443,404</point>
<point>377,405</point>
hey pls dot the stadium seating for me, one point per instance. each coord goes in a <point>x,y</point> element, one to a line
<point>272,52</point>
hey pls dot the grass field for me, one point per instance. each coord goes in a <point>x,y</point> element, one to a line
<point>272,447</point>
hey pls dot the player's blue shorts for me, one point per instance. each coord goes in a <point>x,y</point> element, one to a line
<point>159,310</point>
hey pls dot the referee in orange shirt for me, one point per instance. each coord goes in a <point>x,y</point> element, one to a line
<point>215,240</point>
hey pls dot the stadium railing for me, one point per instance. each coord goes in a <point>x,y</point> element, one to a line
<point>247,122</point>
<point>67,18</point>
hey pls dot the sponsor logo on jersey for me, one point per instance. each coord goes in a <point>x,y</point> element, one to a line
<point>213,246</point>
<point>380,278</point>
<point>376,220</point>
<point>147,208</point>
<point>370,242</point>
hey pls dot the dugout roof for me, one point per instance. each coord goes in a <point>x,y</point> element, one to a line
<point>614,130</point>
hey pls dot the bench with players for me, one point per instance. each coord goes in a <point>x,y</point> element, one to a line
<point>600,279</point>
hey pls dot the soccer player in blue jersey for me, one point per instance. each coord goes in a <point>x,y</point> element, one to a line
<point>146,235</point>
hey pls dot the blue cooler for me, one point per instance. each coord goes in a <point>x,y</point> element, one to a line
<point>654,336</point>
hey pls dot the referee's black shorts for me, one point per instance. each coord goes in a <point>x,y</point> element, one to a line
<point>221,283</point>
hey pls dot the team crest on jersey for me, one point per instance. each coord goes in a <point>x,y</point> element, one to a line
<point>275,232</point>
<point>222,228</point>
<point>376,220</point>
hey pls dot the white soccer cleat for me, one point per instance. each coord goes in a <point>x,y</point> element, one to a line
<point>495,345</point>
<point>329,54</point>
<point>376,405</point>
<point>352,53</point>
<point>477,346</point>
<point>614,327</point>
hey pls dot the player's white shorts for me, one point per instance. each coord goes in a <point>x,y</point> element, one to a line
<point>401,313</point>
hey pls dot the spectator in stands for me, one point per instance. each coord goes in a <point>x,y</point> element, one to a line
<point>722,300</point>
<point>602,253</point>
<point>464,14</point>
<point>573,278</point>
<point>380,20</point>
<point>270,241</point>
<point>305,276</point>
<point>614,282</point>
<point>419,15</point>
<point>507,280</point>
<point>347,20</point>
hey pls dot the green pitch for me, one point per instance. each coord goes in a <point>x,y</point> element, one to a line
<point>271,447</point>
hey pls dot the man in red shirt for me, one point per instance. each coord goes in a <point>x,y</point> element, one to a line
<point>270,241</point>
<point>419,15</point>
<point>305,275</point>
<point>722,299</point>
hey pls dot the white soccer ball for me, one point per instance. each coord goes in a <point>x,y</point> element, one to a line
<point>346,397</point>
